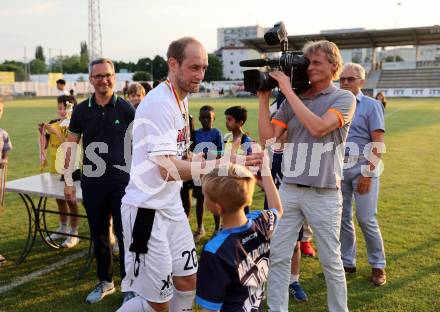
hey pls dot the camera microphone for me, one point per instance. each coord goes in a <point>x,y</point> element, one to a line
<point>254,63</point>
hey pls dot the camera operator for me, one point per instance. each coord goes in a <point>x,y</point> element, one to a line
<point>317,123</point>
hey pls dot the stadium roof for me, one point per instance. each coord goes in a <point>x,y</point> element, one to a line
<point>356,39</point>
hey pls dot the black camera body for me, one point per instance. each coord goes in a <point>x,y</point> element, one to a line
<point>292,63</point>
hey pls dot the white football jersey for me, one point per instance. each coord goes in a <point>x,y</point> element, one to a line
<point>160,128</point>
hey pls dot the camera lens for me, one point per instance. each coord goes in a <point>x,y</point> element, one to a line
<point>254,81</point>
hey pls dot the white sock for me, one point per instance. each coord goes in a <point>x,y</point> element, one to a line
<point>294,278</point>
<point>63,228</point>
<point>182,301</point>
<point>136,304</point>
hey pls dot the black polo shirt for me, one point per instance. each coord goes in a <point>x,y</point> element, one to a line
<point>106,124</point>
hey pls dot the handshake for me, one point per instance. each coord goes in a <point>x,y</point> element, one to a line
<point>257,161</point>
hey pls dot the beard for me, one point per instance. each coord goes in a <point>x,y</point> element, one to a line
<point>186,86</point>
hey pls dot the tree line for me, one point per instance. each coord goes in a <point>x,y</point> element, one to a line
<point>145,69</point>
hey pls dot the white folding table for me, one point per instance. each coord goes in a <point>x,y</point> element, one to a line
<point>43,186</point>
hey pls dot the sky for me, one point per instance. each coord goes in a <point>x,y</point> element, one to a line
<point>132,29</point>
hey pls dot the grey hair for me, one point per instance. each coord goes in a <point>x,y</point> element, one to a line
<point>358,68</point>
<point>101,60</point>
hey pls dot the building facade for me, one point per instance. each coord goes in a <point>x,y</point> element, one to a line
<point>232,36</point>
<point>231,58</point>
<point>232,50</point>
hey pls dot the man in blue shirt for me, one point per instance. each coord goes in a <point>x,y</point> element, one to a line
<point>361,176</point>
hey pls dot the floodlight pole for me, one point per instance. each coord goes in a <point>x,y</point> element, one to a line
<point>95,35</point>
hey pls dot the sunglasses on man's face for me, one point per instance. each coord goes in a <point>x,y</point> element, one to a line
<point>348,79</point>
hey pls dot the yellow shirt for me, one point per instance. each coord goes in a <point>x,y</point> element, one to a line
<point>56,154</point>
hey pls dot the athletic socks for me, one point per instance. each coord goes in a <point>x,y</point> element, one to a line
<point>294,278</point>
<point>182,301</point>
<point>63,227</point>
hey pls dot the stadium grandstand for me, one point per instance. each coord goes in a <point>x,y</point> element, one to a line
<point>416,77</point>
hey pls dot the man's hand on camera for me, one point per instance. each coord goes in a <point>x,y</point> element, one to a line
<point>283,81</point>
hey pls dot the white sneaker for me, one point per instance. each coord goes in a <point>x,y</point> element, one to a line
<point>56,236</point>
<point>101,290</point>
<point>71,241</point>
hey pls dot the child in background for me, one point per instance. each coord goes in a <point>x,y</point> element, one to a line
<point>237,142</point>
<point>136,93</point>
<point>5,147</point>
<point>147,86</point>
<point>73,97</point>
<point>380,96</point>
<point>236,117</point>
<point>202,137</point>
<point>234,265</point>
<point>56,133</point>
